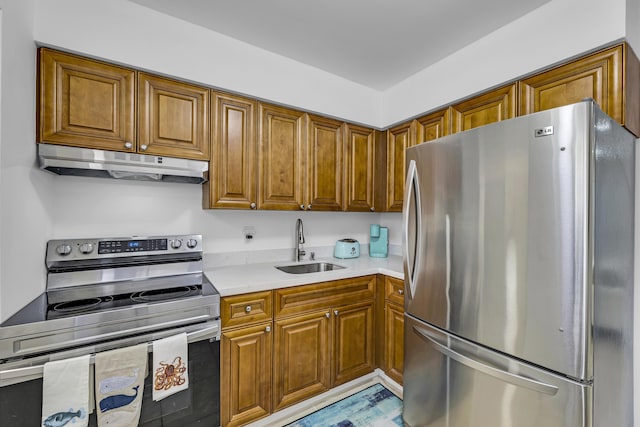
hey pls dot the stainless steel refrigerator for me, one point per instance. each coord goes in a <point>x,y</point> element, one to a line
<point>518,251</point>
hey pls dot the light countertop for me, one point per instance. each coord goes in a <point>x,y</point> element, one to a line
<point>245,278</point>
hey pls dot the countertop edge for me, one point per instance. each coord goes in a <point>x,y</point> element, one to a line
<point>248,278</point>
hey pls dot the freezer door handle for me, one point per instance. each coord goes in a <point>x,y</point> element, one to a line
<point>411,202</point>
<point>517,380</point>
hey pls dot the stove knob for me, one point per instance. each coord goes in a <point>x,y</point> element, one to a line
<point>192,243</point>
<point>63,250</point>
<point>86,248</point>
<point>175,244</point>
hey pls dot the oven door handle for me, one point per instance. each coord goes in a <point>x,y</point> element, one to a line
<point>17,375</point>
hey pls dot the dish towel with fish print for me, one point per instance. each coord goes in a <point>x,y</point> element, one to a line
<point>65,392</point>
<point>170,370</point>
<point>119,384</point>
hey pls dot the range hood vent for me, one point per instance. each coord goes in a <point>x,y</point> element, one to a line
<point>63,160</point>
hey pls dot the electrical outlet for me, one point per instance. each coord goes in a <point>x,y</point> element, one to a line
<point>248,231</point>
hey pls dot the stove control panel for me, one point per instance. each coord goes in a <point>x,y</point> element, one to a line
<point>78,249</point>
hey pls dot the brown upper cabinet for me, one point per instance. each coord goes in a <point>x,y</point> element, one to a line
<point>325,173</point>
<point>173,118</point>
<point>92,104</point>
<point>282,161</point>
<point>399,138</point>
<point>85,103</point>
<point>489,107</point>
<point>432,126</point>
<point>233,173</point>
<point>360,160</point>
<point>611,77</point>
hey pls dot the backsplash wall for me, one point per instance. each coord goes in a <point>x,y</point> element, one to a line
<point>95,207</point>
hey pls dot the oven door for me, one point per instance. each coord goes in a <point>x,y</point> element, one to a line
<point>21,402</point>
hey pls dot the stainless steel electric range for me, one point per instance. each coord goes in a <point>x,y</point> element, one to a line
<point>108,293</point>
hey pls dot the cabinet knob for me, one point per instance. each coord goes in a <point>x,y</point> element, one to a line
<point>301,207</point>
<point>248,309</point>
<point>309,207</point>
<point>128,145</point>
<point>267,329</point>
<point>335,312</point>
<point>252,205</point>
<point>328,315</point>
<point>372,209</point>
<point>401,291</point>
<point>144,147</point>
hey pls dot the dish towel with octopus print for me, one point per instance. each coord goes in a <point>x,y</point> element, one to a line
<point>170,369</point>
<point>65,392</point>
<point>119,383</point>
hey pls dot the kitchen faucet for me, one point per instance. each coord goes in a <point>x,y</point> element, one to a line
<point>300,252</point>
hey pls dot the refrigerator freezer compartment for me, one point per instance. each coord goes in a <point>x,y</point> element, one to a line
<point>451,382</point>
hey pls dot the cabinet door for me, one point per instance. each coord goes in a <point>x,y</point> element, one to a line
<point>360,168</point>
<point>598,76</point>
<point>353,342</point>
<point>302,365</point>
<point>324,171</point>
<point>281,158</point>
<point>398,140</point>
<point>233,174</point>
<point>245,377</point>
<point>432,126</point>
<point>173,118</point>
<point>394,342</point>
<point>494,106</point>
<point>85,103</point>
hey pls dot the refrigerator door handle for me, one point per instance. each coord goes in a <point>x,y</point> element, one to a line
<point>498,373</point>
<point>412,194</point>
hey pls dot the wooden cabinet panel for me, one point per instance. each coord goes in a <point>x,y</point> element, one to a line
<point>360,157</point>
<point>173,118</point>
<point>300,299</point>
<point>353,342</point>
<point>281,158</point>
<point>394,342</point>
<point>394,290</point>
<point>494,106</point>
<point>610,77</point>
<point>398,140</point>
<point>325,167</point>
<point>598,76</point>
<point>302,366</point>
<point>85,103</point>
<point>432,126</point>
<point>244,309</point>
<point>232,175</point>
<point>245,376</point>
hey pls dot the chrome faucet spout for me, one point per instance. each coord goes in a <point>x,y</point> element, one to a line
<point>300,252</point>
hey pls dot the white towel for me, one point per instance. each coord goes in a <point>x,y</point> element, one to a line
<point>170,370</point>
<point>65,392</point>
<point>119,384</point>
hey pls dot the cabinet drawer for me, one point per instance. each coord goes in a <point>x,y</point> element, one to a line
<point>245,309</point>
<point>394,290</point>
<point>301,299</point>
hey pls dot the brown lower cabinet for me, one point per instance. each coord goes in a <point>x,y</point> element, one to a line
<point>320,336</point>
<point>394,328</point>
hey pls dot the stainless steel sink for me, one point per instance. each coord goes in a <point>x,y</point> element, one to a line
<point>314,267</point>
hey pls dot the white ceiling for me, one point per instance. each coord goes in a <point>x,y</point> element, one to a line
<point>376,43</point>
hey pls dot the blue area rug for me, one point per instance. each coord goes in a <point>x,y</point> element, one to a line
<point>372,407</point>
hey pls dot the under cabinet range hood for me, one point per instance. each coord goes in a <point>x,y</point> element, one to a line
<point>63,160</point>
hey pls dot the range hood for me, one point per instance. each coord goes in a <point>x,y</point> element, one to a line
<point>63,160</point>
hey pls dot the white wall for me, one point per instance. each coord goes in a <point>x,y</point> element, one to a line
<point>24,194</point>
<point>558,30</point>
<point>97,207</point>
